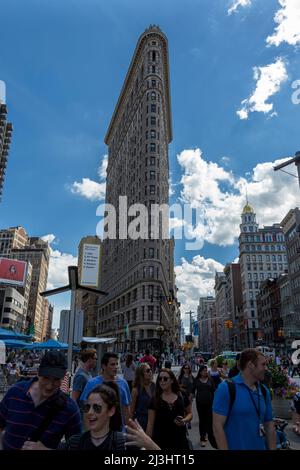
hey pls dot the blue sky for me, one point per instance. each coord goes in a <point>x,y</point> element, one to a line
<point>64,63</point>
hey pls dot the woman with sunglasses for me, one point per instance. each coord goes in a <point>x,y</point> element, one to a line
<point>103,422</point>
<point>186,380</point>
<point>169,412</point>
<point>142,393</point>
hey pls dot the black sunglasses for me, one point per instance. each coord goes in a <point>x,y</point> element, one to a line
<point>86,408</point>
<point>147,370</point>
<point>163,378</point>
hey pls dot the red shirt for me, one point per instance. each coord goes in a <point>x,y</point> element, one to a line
<point>150,359</point>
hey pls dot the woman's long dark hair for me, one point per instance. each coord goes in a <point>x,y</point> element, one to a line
<point>201,369</point>
<point>139,379</point>
<point>109,392</point>
<point>182,371</point>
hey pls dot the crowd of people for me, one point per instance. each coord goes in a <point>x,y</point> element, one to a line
<point>134,411</point>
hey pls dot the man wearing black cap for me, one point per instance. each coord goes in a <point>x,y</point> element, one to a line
<point>36,414</point>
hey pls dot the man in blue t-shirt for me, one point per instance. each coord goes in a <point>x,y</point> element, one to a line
<point>248,425</point>
<point>109,365</point>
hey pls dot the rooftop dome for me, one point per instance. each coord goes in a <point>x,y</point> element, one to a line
<point>248,209</point>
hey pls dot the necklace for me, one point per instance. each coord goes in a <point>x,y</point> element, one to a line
<point>100,437</point>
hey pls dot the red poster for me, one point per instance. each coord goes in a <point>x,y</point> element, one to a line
<point>12,271</point>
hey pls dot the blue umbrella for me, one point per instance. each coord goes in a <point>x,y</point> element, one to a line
<point>16,344</point>
<point>51,344</point>
<point>10,334</point>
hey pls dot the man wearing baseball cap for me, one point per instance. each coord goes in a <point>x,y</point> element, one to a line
<point>36,414</point>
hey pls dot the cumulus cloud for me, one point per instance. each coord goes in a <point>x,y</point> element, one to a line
<point>236,4</point>
<point>58,265</point>
<point>195,279</point>
<point>222,195</point>
<point>288,20</point>
<point>90,189</point>
<point>48,238</point>
<point>103,167</point>
<point>268,82</point>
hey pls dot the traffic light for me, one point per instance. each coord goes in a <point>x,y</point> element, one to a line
<point>228,324</point>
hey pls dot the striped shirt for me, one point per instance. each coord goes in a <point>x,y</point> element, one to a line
<point>19,417</point>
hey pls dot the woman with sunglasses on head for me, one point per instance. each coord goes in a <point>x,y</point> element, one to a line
<point>142,393</point>
<point>169,412</point>
<point>103,422</point>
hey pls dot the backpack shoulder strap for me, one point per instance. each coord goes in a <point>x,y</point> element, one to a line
<point>232,394</point>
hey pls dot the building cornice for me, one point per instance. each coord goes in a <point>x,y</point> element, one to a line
<point>150,33</point>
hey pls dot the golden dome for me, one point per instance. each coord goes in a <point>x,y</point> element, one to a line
<point>248,209</point>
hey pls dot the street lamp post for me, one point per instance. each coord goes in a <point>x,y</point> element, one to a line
<point>190,313</point>
<point>161,329</point>
<point>296,160</point>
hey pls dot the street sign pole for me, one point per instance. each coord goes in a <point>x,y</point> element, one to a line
<point>73,286</point>
<point>71,329</point>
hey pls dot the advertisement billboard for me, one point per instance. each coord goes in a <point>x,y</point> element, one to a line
<point>90,265</point>
<point>12,271</point>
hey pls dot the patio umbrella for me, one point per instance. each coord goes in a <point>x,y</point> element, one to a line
<point>16,344</point>
<point>10,334</point>
<point>51,344</point>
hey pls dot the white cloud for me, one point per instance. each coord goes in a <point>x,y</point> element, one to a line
<point>102,168</point>
<point>2,92</point>
<point>49,238</point>
<point>221,195</point>
<point>288,20</point>
<point>175,222</point>
<point>194,280</point>
<point>225,160</point>
<point>171,190</point>
<point>268,81</point>
<point>238,3</point>
<point>90,189</point>
<point>58,265</point>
